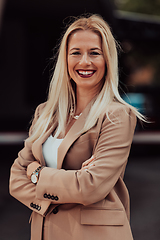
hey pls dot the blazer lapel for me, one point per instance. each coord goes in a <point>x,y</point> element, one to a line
<point>71,136</point>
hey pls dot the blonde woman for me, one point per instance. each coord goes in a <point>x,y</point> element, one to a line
<point>70,171</point>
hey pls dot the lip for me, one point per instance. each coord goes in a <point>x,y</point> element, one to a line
<point>85,73</point>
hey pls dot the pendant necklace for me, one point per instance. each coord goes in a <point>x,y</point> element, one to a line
<point>74,116</point>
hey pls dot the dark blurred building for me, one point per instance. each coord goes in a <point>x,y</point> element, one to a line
<point>139,35</point>
<point>29,32</point>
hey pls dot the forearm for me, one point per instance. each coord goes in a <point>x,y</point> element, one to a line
<point>84,186</point>
<point>20,186</point>
<point>90,185</point>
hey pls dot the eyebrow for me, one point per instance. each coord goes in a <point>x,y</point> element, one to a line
<point>90,49</point>
<point>74,49</point>
<point>96,49</point>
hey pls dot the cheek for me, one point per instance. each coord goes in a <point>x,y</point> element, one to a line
<point>71,65</point>
<point>102,67</point>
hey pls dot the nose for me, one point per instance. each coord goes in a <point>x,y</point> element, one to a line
<point>85,59</point>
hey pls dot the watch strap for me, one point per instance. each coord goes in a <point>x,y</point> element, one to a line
<point>36,172</point>
<point>38,169</point>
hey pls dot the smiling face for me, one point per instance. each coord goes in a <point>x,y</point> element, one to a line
<point>86,63</point>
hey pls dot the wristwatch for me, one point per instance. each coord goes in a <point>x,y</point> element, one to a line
<point>35,174</point>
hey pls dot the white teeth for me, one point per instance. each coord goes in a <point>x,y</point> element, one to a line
<point>85,72</point>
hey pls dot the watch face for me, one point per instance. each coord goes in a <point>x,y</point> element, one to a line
<point>34,178</point>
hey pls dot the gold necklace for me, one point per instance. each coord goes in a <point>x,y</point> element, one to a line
<point>74,116</point>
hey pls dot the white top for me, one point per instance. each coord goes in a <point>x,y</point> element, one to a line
<point>49,149</point>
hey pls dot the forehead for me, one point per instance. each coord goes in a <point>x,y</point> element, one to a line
<point>84,38</point>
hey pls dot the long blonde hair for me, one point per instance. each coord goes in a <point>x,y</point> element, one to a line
<point>61,97</point>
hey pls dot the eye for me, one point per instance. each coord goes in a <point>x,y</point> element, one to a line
<point>75,53</point>
<point>94,53</point>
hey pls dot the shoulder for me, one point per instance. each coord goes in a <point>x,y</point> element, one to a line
<point>117,107</point>
<point>120,113</point>
<point>37,113</point>
<point>39,109</point>
<point>119,122</point>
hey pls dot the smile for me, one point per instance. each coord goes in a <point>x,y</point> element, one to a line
<point>85,73</point>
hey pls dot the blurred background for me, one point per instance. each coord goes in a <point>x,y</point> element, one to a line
<point>29,32</point>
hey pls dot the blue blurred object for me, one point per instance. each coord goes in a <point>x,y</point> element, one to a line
<point>137,100</point>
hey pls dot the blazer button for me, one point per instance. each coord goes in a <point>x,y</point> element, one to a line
<point>52,197</point>
<point>48,196</point>
<point>39,208</point>
<point>55,210</point>
<point>45,195</point>
<point>56,198</point>
<point>31,205</point>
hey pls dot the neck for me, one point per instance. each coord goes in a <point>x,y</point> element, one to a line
<point>83,98</point>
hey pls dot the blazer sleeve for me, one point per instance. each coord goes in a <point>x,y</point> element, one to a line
<point>94,184</point>
<point>20,186</point>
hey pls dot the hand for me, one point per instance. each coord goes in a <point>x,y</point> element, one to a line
<point>31,168</point>
<point>88,163</point>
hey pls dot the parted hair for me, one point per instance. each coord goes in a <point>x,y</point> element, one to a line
<point>62,93</point>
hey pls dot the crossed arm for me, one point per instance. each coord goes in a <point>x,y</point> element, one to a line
<point>91,183</point>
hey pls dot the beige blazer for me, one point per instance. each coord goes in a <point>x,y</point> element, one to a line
<point>73,204</point>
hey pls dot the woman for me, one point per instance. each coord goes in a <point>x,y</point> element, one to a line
<point>70,172</point>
